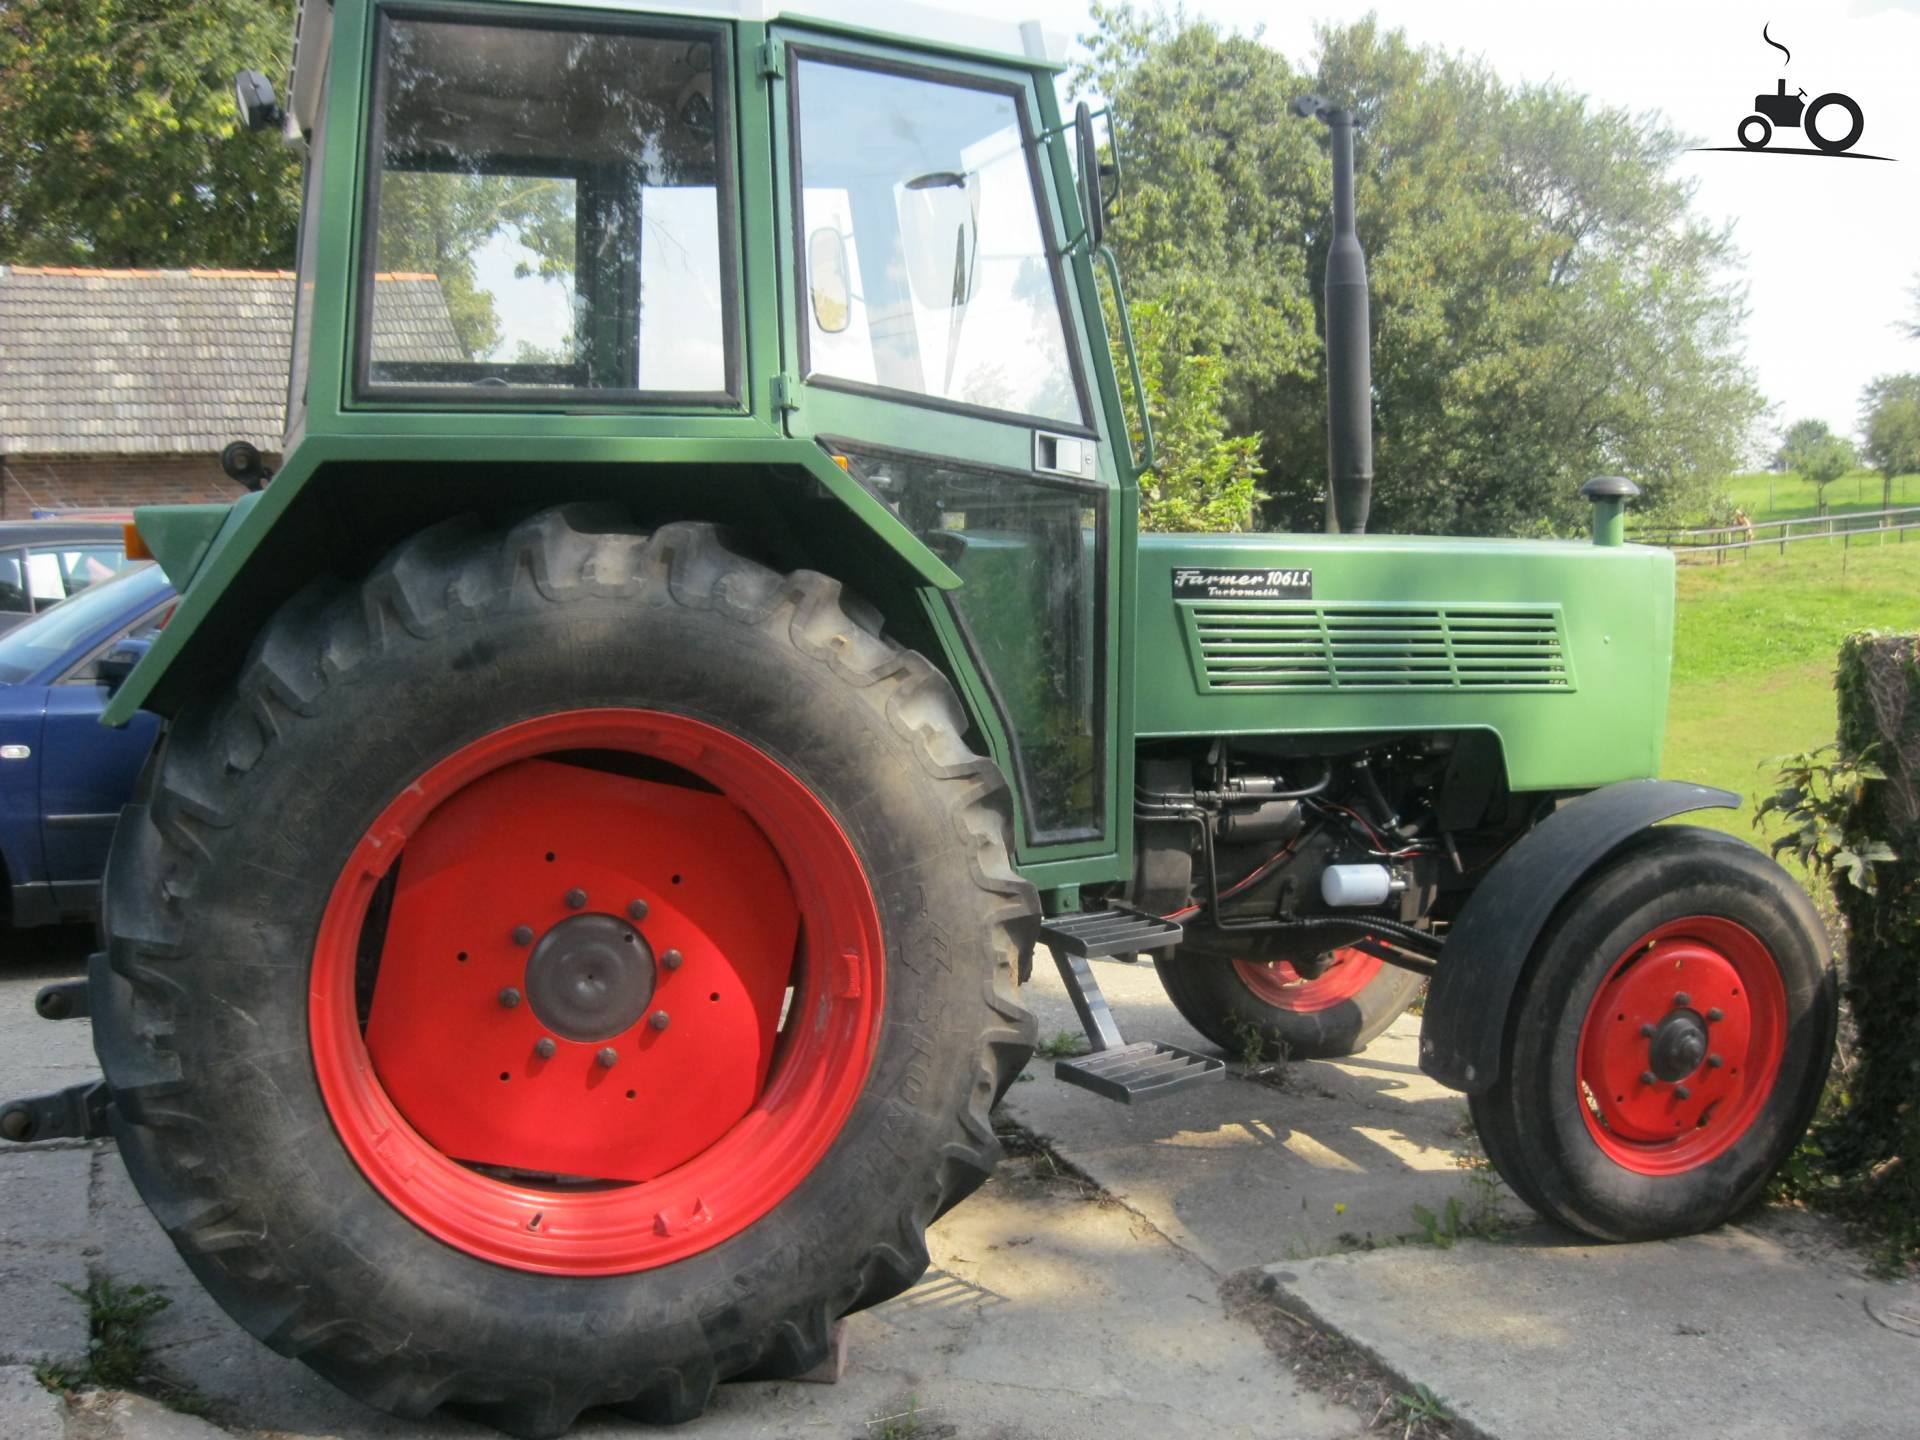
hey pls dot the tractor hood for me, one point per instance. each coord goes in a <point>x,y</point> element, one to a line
<point>1561,649</point>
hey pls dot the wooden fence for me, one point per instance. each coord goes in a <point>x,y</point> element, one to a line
<point>1720,541</point>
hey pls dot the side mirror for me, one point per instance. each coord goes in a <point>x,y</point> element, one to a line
<point>1092,201</point>
<point>259,108</point>
<point>112,668</point>
<point>828,280</point>
<point>940,229</point>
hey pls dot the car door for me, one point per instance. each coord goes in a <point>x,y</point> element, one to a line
<point>87,771</point>
<point>935,345</point>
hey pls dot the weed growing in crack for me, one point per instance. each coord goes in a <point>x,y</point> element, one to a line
<point>118,1351</point>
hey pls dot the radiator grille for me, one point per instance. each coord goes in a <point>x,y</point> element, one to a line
<point>1281,645</point>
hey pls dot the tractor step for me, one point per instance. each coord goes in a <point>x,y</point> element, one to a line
<point>1144,1070</point>
<point>1117,930</point>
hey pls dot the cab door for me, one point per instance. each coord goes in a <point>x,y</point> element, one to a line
<point>933,342</point>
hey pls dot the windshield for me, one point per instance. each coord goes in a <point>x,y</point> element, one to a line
<point>28,649</point>
<point>918,204</point>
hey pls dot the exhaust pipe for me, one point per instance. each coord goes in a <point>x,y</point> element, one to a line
<point>1349,361</point>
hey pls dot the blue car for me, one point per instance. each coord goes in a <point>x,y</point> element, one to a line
<point>63,775</point>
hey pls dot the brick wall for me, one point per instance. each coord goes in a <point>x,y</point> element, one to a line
<point>110,482</point>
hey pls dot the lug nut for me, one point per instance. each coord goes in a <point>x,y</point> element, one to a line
<point>576,898</point>
<point>673,959</point>
<point>1647,1077</point>
<point>523,935</point>
<point>1647,1031</point>
<point>636,910</point>
<point>1682,1000</point>
<point>509,998</point>
<point>608,1056</point>
<point>544,1047</point>
<point>1714,1062</point>
<point>1681,1092</point>
<point>659,1020</point>
<point>1715,1016</point>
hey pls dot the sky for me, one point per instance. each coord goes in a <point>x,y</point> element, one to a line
<point>1831,247</point>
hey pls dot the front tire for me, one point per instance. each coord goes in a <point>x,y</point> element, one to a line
<point>668,799</point>
<point>1668,1042</point>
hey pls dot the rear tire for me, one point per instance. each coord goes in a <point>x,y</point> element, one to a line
<point>1339,1012</point>
<point>1668,1042</point>
<point>268,801</point>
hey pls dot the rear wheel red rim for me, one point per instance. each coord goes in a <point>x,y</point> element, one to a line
<point>664,867</point>
<point>1277,983</point>
<point>1681,1045</point>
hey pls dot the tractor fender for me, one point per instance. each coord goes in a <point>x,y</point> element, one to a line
<point>235,564</point>
<point>1465,1024</point>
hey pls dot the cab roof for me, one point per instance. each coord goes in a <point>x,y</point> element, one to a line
<point>925,25</point>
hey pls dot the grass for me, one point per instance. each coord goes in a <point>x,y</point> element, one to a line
<point>1753,657</point>
<point>1766,496</point>
<point>1064,1045</point>
<point>118,1352</point>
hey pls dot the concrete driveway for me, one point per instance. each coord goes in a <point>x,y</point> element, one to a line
<point>1232,1261</point>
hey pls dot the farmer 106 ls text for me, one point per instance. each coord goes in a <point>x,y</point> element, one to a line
<point>697,650</point>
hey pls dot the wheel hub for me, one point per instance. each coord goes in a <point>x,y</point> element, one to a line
<point>590,977</point>
<point>1678,1046</point>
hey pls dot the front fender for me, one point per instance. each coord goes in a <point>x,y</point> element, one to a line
<point>1462,1033</point>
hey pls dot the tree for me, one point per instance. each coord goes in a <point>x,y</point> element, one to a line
<point>120,143</point>
<point>1204,479</point>
<point>1546,307</point>
<point>1816,455</point>
<point>1890,429</point>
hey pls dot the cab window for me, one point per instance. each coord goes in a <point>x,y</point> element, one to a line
<point>550,213</point>
<point>923,255</point>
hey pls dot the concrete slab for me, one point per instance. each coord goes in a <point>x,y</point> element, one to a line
<point>43,1245</point>
<point>1744,1334</point>
<point>117,1415</point>
<point>1242,1173</point>
<point>28,1410</point>
<point>1046,1315</point>
<point>41,1055</point>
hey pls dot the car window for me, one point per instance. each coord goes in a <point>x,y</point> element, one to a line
<point>146,628</point>
<point>44,580</point>
<point>28,649</point>
<point>13,584</point>
<point>84,564</point>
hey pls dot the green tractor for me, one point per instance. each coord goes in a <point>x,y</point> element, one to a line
<point>698,647</point>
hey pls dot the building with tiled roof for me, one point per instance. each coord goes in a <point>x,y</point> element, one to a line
<point>121,387</point>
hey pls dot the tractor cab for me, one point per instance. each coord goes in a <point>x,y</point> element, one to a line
<point>603,228</point>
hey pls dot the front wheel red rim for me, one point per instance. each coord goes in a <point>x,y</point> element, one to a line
<point>1345,974</point>
<point>1681,1045</point>
<point>551,989</point>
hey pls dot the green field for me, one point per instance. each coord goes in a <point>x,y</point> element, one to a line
<point>1754,648</point>
<point>1787,497</point>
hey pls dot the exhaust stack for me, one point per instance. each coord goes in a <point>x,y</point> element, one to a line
<point>1349,361</point>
